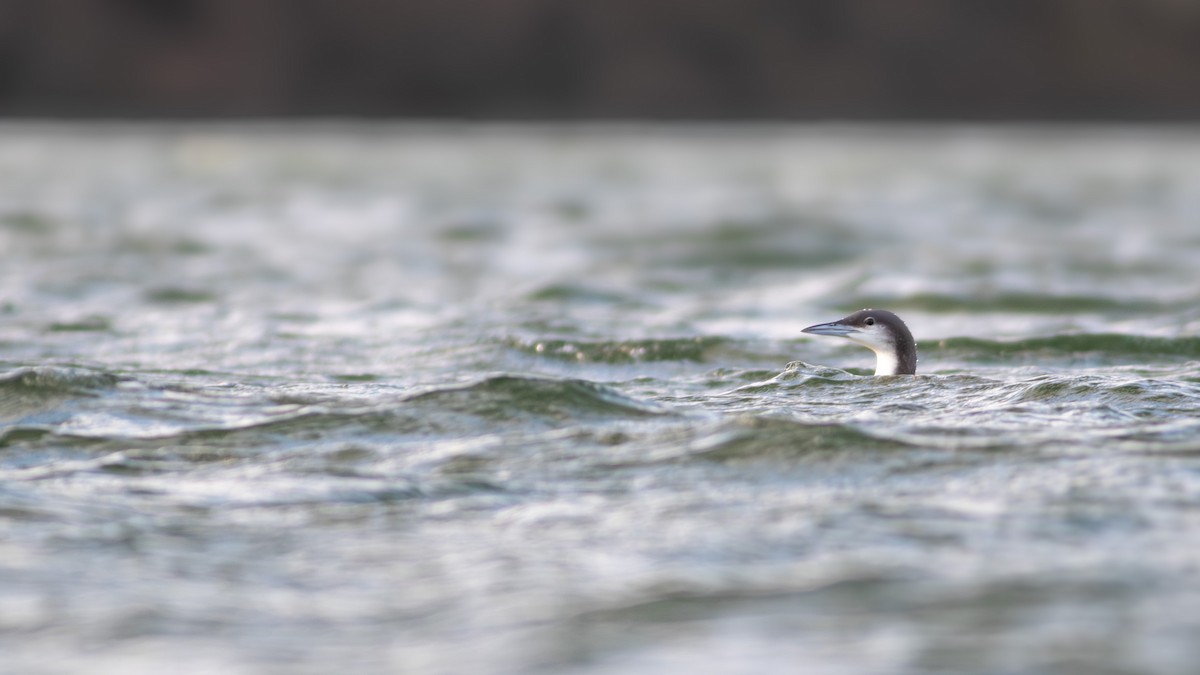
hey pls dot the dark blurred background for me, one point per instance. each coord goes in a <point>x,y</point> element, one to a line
<point>588,59</point>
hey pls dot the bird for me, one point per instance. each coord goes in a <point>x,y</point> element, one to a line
<point>880,331</point>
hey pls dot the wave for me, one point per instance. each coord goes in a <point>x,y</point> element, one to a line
<point>51,380</point>
<point>967,411</point>
<point>774,437</point>
<point>1109,345</point>
<point>802,409</point>
<point>33,400</point>
<point>504,397</point>
<point>249,417</point>
<point>1024,303</point>
<point>693,349</point>
<point>36,391</point>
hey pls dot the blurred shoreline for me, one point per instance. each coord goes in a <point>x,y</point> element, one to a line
<point>714,128</point>
<point>541,59</point>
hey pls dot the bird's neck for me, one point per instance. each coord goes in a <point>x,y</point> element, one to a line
<point>896,361</point>
<point>886,363</point>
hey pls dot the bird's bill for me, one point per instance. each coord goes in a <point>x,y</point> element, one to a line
<point>833,328</point>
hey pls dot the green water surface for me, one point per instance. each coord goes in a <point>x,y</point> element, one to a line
<point>493,399</point>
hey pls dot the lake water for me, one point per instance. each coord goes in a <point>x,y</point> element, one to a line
<point>491,399</point>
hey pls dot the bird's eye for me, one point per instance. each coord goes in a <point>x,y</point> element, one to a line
<point>870,321</point>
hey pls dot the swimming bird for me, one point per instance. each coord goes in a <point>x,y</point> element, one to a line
<point>880,331</point>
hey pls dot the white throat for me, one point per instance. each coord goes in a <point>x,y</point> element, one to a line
<point>886,362</point>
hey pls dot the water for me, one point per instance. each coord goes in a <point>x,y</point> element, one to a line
<point>495,400</point>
